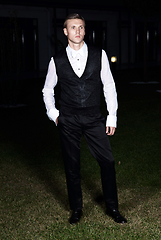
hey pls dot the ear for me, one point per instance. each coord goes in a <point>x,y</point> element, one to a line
<point>65,31</point>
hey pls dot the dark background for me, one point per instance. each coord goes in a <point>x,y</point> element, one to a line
<point>135,38</point>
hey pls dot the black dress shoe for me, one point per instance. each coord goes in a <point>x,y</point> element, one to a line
<point>76,215</point>
<point>115,214</point>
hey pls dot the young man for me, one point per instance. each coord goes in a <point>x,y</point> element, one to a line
<point>81,71</point>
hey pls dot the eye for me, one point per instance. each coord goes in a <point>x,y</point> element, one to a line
<point>73,27</point>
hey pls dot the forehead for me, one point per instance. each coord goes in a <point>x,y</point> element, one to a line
<point>75,22</point>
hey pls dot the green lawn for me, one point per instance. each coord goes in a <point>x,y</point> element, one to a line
<point>33,197</point>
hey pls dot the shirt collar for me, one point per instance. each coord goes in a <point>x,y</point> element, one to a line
<point>82,51</point>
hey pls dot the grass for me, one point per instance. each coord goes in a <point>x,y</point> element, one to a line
<point>33,197</point>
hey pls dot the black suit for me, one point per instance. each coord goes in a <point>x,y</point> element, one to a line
<point>80,114</point>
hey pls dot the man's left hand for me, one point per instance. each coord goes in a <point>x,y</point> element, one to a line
<point>110,130</point>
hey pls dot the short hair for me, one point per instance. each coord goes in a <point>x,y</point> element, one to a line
<point>73,16</point>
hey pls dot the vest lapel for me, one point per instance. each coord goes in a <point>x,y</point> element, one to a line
<point>72,67</point>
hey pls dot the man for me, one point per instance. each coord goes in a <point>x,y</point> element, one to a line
<point>81,70</point>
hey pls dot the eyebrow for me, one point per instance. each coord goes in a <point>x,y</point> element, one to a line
<point>73,25</point>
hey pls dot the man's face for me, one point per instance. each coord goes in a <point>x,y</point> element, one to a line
<point>75,31</point>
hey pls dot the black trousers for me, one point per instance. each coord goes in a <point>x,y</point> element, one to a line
<point>93,128</point>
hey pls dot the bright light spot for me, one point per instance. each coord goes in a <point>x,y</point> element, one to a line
<point>113,59</point>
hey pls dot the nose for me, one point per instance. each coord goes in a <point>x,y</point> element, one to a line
<point>78,30</point>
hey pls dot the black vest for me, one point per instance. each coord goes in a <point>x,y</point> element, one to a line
<point>80,95</point>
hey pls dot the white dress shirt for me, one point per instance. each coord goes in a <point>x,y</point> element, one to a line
<point>78,61</point>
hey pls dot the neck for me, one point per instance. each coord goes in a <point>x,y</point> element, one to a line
<point>76,47</point>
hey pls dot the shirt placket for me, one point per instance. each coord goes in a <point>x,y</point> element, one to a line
<point>78,65</point>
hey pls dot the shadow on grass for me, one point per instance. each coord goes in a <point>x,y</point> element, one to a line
<point>31,139</point>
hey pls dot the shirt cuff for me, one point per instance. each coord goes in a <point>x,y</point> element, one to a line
<point>53,114</point>
<point>111,121</point>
